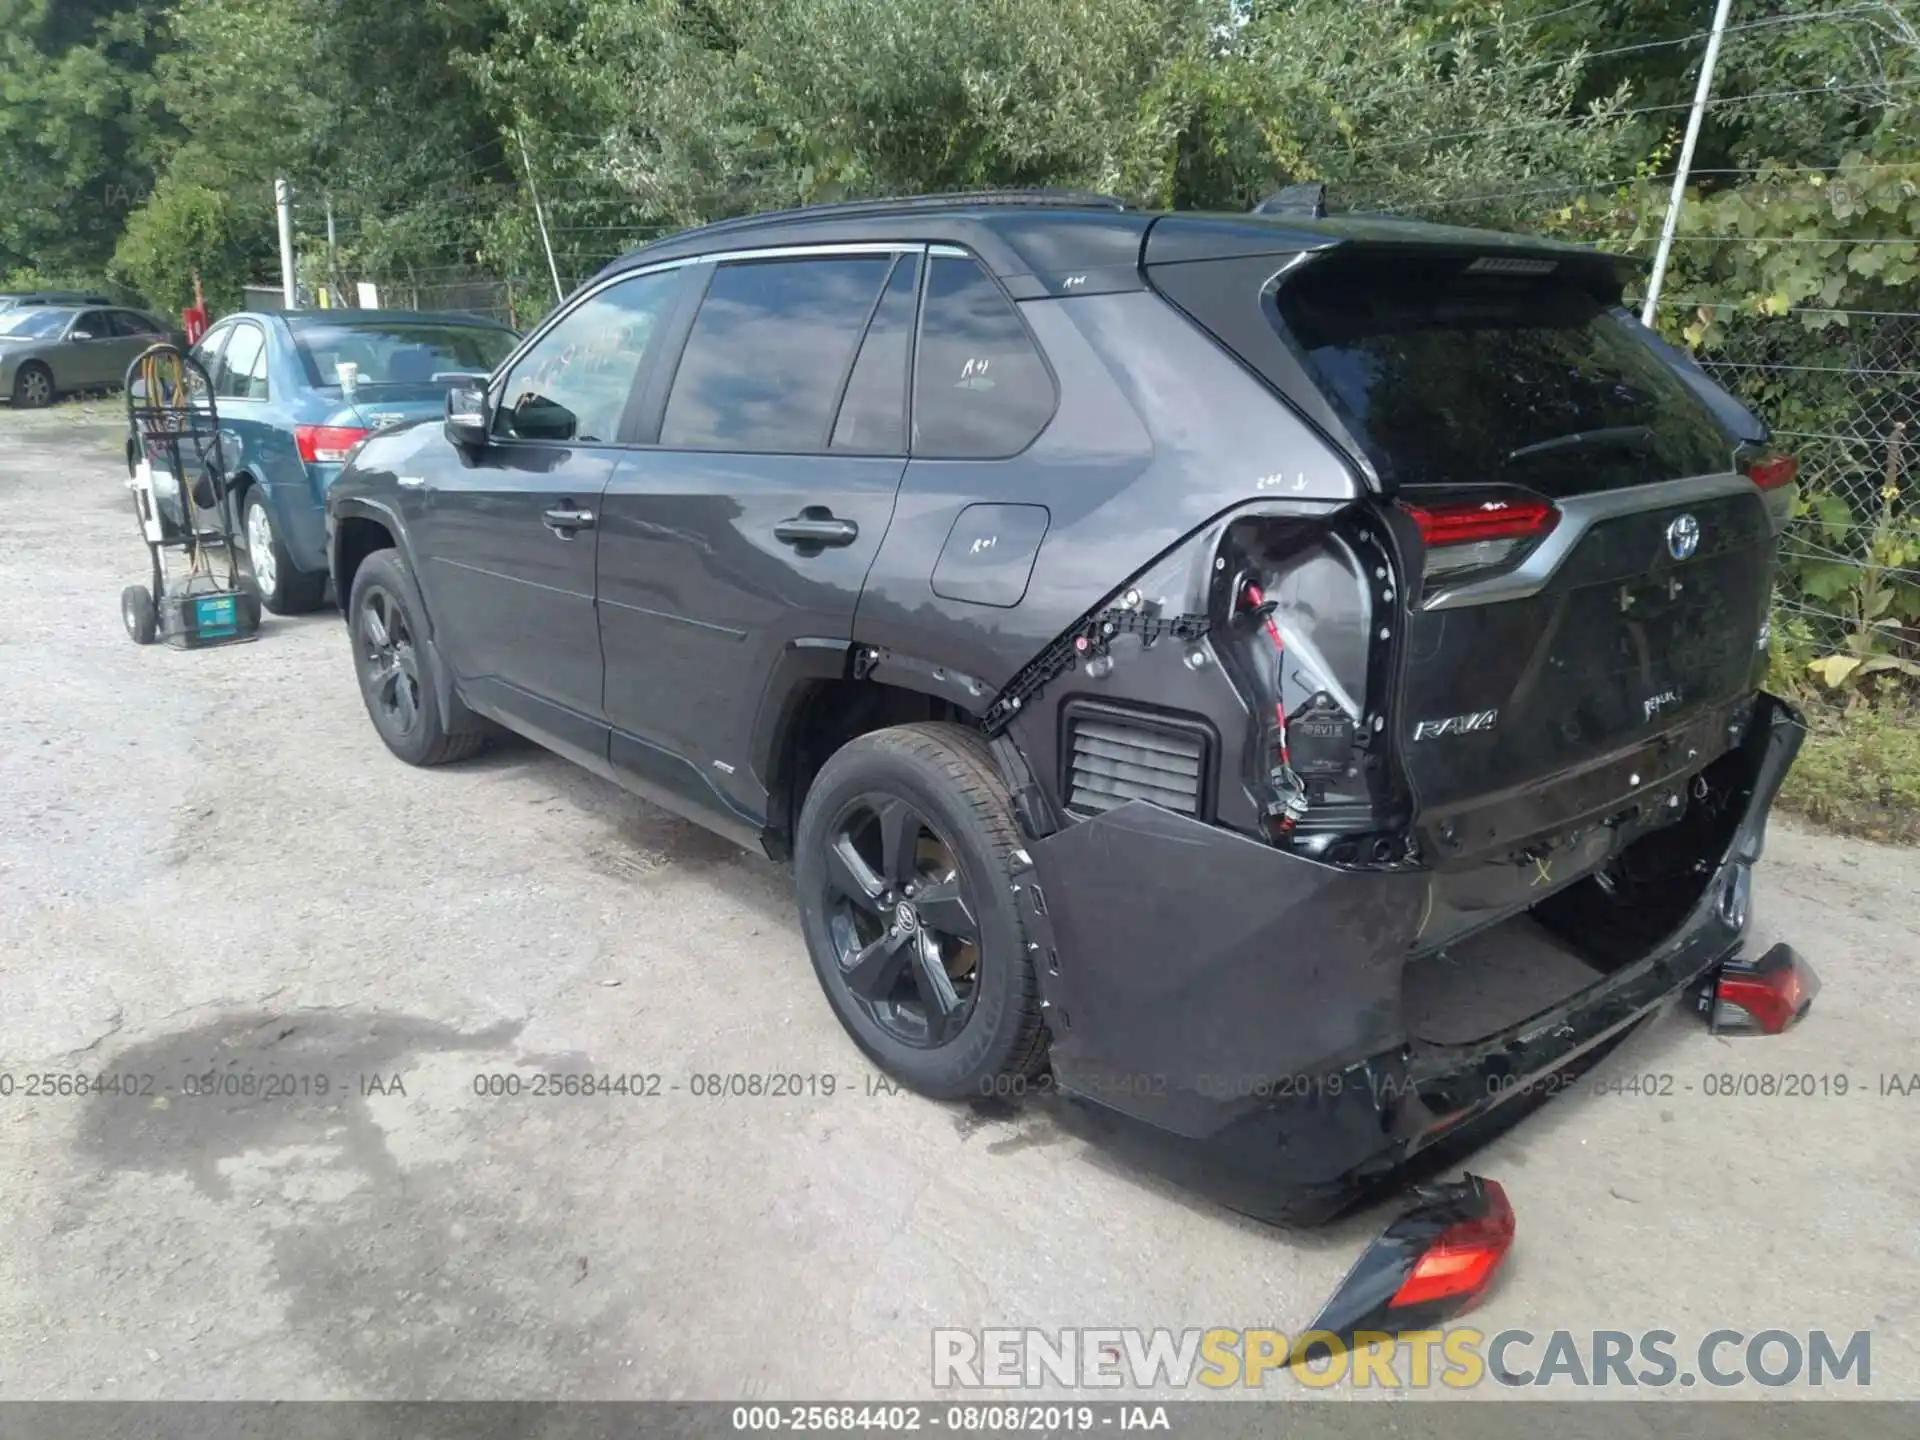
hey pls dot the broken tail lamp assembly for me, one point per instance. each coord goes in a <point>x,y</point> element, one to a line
<point>198,595</point>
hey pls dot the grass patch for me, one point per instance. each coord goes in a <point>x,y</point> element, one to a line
<point>1859,773</point>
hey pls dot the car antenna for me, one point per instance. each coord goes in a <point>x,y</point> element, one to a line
<point>1309,198</point>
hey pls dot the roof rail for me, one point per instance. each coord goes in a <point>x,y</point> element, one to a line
<point>1037,196</point>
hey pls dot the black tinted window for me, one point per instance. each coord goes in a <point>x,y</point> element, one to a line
<point>94,323</point>
<point>873,414</point>
<point>768,352</point>
<point>128,324</point>
<point>980,387</point>
<point>574,384</point>
<point>242,374</point>
<point>1455,377</point>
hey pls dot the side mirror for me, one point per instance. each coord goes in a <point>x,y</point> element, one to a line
<point>80,335</point>
<point>467,418</point>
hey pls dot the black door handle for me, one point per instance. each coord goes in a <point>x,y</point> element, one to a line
<point>564,522</point>
<point>815,528</point>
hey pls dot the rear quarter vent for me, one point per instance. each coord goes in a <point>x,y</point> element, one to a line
<point>1115,755</point>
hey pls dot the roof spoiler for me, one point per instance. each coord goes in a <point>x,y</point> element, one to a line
<point>1308,198</point>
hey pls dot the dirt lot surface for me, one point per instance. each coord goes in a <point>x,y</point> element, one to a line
<point>208,863</point>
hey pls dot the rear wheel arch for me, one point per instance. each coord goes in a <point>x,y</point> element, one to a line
<point>805,718</point>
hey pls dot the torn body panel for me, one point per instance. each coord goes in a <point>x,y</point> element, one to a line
<point>1241,1015</point>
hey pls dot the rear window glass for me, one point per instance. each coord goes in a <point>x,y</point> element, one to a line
<point>399,352</point>
<point>1456,378</point>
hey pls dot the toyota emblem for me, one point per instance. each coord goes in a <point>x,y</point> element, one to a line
<point>1683,537</point>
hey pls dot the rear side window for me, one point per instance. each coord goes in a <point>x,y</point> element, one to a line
<point>873,414</point>
<point>980,387</point>
<point>1453,377</point>
<point>768,352</point>
<point>129,325</point>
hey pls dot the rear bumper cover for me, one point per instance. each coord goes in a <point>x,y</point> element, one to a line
<point>1233,1011</point>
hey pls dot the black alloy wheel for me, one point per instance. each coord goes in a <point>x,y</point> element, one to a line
<point>902,924</point>
<point>390,664</point>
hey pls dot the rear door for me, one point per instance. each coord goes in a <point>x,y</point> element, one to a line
<point>507,538</point>
<point>746,533</point>
<point>1587,568</point>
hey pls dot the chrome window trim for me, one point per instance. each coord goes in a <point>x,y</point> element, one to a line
<point>1578,515</point>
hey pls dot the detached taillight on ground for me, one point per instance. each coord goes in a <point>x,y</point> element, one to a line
<point>1761,996</point>
<point>326,444</point>
<point>1460,1262</point>
<point>1480,534</point>
<point>1438,1259</point>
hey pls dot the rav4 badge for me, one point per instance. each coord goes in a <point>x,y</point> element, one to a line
<point>1472,724</point>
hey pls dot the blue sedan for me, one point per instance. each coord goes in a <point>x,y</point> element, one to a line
<point>297,390</point>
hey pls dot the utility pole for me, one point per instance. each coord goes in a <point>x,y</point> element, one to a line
<point>334,297</point>
<point>1678,198</point>
<point>559,294</point>
<point>283,201</point>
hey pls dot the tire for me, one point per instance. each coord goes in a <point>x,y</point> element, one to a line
<point>387,632</point>
<point>945,778</point>
<point>137,613</point>
<point>284,588</point>
<point>32,386</point>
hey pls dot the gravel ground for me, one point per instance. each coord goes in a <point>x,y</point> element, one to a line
<point>209,862</point>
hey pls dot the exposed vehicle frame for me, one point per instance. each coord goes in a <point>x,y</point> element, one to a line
<point>1222,974</point>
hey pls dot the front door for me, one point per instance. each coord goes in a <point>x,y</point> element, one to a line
<point>510,533</point>
<point>100,354</point>
<point>748,530</point>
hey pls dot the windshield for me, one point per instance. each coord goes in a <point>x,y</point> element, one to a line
<point>399,352</point>
<point>1461,378</point>
<point>32,322</point>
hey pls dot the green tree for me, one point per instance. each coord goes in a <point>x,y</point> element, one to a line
<point>80,130</point>
<point>186,229</point>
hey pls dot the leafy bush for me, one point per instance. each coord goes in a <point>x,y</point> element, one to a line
<point>183,230</point>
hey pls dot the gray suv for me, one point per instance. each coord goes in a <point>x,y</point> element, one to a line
<point>1169,647</point>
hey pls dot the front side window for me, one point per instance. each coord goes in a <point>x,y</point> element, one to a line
<point>769,350</point>
<point>93,325</point>
<point>242,373</point>
<point>980,387</point>
<point>574,384</point>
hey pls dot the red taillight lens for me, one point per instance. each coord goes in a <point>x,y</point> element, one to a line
<point>1773,471</point>
<point>1767,995</point>
<point>1469,522</point>
<point>1483,534</point>
<point>326,444</point>
<point>1460,1262</point>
